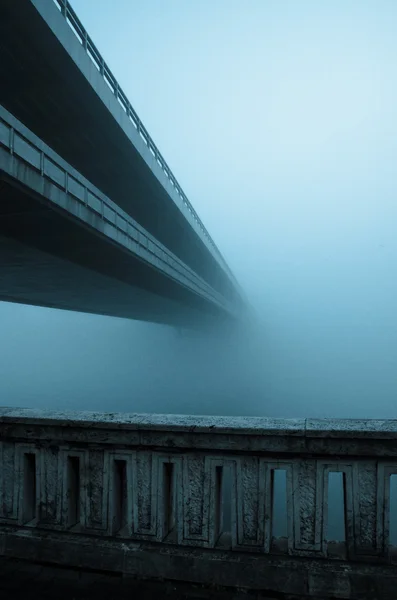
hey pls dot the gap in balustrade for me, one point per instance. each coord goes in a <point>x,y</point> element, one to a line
<point>223,505</point>
<point>120,495</point>
<point>393,511</point>
<point>73,473</point>
<point>29,487</point>
<point>218,503</point>
<point>335,534</point>
<point>168,498</point>
<point>279,519</point>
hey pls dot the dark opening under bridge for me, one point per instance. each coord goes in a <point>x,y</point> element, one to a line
<point>91,216</point>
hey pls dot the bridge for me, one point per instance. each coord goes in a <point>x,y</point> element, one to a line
<point>91,216</point>
<point>92,219</point>
<point>192,499</point>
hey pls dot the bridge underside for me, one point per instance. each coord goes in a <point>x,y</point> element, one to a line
<point>66,102</point>
<point>49,260</point>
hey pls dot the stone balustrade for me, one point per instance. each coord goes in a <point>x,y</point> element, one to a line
<point>147,495</point>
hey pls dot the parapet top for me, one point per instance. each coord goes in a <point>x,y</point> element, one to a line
<point>332,428</point>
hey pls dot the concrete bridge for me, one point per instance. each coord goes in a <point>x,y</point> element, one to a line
<point>146,496</point>
<point>91,217</point>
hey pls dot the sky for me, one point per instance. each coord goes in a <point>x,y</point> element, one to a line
<point>278,119</point>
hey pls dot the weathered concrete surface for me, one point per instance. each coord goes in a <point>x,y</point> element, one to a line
<point>337,438</point>
<point>147,492</point>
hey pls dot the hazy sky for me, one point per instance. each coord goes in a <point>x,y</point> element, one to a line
<point>278,120</point>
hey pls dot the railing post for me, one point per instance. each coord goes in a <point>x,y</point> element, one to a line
<point>8,482</point>
<point>307,506</point>
<point>251,480</point>
<point>364,498</point>
<point>97,491</point>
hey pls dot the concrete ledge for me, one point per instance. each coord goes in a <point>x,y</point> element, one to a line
<point>305,578</point>
<point>386,428</point>
<point>156,422</point>
<point>321,437</point>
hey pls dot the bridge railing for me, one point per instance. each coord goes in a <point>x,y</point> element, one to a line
<point>172,480</point>
<point>99,62</point>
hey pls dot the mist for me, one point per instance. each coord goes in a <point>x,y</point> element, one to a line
<point>278,120</point>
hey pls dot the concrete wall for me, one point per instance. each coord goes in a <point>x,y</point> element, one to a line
<point>145,495</point>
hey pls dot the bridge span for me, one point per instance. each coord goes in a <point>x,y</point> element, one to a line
<point>91,216</point>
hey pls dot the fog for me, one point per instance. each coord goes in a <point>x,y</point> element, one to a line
<point>278,120</point>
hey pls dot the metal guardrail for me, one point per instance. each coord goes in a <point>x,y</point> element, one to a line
<point>27,146</point>
<point>92,51</point>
